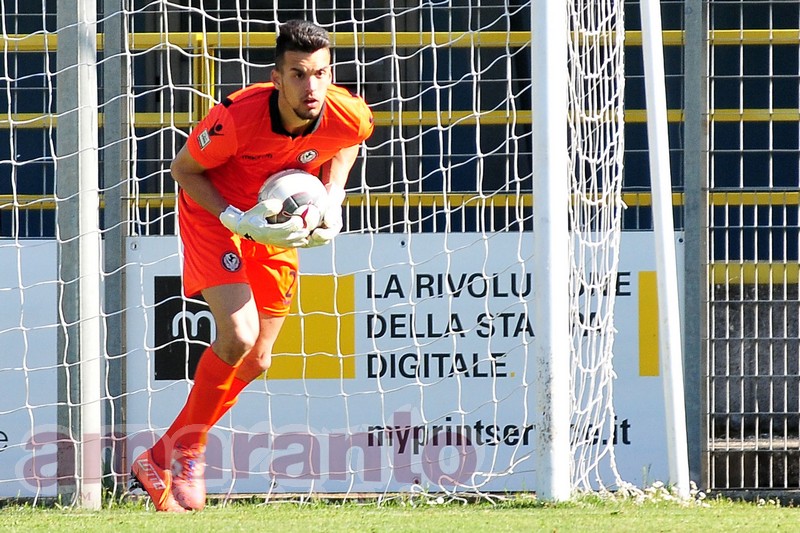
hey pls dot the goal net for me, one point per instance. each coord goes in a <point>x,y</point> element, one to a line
<point>596,149</point>
<point>405,365</point>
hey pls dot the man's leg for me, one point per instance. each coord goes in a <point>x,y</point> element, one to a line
<point>236,320</point>
<point>256,362</point>
<point>231,314</point>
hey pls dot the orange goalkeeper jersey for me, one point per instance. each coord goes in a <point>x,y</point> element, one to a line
<point>242,141</point>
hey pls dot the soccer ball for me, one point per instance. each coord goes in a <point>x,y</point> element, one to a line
<point>302,195</point>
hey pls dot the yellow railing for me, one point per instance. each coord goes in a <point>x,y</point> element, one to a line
<point>451,200</point>
<point>743,272</point>
<point>422,118</point>
<point>754,273</point>
<point>40,42</point>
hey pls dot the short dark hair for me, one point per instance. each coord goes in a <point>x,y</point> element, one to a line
<point>300,36</point>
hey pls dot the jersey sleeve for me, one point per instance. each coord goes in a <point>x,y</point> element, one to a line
<point>213,141</point>
<point>353,113</point>
<point>367,124</point>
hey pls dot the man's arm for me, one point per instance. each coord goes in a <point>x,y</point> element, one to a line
<point>334,177</point>
<point>191,177</point>
<point>338,169</point>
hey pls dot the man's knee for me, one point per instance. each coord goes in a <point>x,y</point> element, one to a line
<point>234,345</point>
<point>254,365</point>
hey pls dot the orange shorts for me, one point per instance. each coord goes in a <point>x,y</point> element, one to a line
<point>213,256</point>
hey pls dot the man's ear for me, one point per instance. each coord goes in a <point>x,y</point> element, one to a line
<point>275,76</point>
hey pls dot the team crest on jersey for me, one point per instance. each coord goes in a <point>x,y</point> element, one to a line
<point>231,262</point>
<point>203,139</point>
<point>308,156</point>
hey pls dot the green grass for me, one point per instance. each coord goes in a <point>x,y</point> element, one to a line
<point>589,514</point>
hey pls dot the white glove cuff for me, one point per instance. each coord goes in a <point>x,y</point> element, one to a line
<point>230,217</point>
<point>336,194</point>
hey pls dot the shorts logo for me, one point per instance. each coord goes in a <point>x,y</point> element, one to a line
<point>231,262</point>
<point>307,156</point>
<point>203,139</point>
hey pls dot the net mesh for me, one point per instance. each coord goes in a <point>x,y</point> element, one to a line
<point>596,144</point>
<point>420,381</point>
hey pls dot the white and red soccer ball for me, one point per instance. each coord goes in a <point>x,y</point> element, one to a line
<point>302,195</point>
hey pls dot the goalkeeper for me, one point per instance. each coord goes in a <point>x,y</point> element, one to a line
<point>299,120</point>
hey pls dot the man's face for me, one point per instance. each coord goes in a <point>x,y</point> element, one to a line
<point>303,81</point>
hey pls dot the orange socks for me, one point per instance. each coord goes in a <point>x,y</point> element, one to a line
<point>237,386</point>
<point>214,392</point>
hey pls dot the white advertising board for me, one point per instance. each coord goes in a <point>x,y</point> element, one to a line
<point>28,378</point>
<point>424,378</point>
<point>418,373</point>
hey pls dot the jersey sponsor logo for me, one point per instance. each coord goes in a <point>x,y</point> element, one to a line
<point>255,157</point>
<point>307,156</point>
<point>203,139</point>
<point>216,129</point>
<point>231,262</point>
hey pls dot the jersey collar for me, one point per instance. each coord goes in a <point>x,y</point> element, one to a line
<point>277,123</point>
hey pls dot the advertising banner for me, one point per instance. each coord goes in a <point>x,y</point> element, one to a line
<point>28,375</point>
<point>406,361</point>
<point>417,368</point>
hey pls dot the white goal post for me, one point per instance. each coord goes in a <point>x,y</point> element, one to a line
<point>458,338</point>
<point>79,264</point>
<point>551,190</point>
<point>670,342</point>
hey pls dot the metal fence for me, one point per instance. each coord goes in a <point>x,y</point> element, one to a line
<point>753,379</point>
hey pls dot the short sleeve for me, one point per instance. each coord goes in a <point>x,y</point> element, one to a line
<point>367,122</point>
<point>213,141</point>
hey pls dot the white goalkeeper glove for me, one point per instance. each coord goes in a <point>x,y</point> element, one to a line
<point>252,225</point>
<point>331,224</point>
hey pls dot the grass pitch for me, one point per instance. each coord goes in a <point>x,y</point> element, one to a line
<point>587,514</point>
